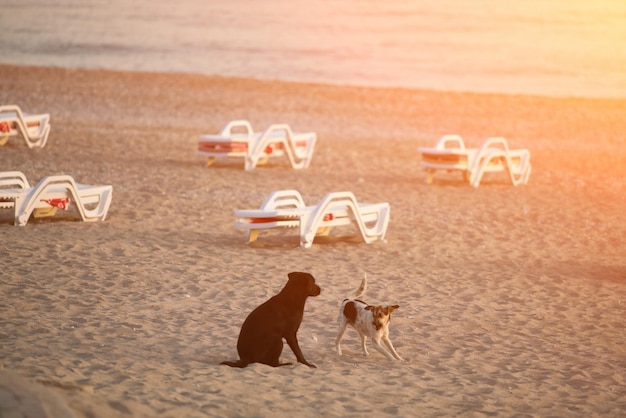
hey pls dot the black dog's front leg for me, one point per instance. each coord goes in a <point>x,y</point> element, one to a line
<point>292,340</point>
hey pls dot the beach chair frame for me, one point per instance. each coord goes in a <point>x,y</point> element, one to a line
<point>286,209</point>
<point>257,148</point>
<point>494,155</point>
<point>33,128</point>
<point>49,195</point>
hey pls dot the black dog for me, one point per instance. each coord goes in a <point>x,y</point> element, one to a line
<point>262,333</point>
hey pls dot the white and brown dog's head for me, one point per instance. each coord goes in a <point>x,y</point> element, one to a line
<point>381,315</point>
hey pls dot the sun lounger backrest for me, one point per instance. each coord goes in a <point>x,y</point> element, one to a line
<point>34,128</point>
<point>283,199</point>
<point>450,141</point>
<point>13,180</point>
<point>228,129</point>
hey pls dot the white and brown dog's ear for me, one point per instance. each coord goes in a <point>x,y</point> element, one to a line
<point>387,309</point>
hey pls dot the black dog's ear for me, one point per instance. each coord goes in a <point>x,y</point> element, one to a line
<point>298,275</point>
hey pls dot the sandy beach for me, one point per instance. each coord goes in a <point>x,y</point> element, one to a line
<point>512,299</point>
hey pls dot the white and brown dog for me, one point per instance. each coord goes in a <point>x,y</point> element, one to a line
<point>369,321</point>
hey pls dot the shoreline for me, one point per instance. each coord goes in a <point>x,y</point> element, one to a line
<point>511,298</point>
<point>329,84</point>
<point>533,91</point>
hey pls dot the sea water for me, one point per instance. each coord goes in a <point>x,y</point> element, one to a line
<point>542,47</point>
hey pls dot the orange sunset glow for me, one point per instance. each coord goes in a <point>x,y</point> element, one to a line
<point>339,208</point>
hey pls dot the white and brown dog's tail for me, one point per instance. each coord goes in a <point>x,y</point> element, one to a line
<point>360,291</point>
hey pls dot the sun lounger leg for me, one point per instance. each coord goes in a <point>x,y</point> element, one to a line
<point>475,178</point>
<point>45,212</point>
<point>430,175</point>
<point>324,231</point>
<point>253,234</point>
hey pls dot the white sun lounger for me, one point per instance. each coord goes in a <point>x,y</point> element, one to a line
<point>50,194</point>
<point>33,128</point>
<point>286,209</point>
<point>494,155</point>
<point>256,148</point>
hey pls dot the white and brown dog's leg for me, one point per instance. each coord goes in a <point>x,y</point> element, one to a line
<point>378,346</point>
<point>363,344</point>
<point>343,324</point>
<point>387,342</point>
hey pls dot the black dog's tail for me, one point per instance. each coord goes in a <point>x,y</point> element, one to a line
<point>240,364</point>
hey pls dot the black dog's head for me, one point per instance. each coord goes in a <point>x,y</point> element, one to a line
<point>304,281</point>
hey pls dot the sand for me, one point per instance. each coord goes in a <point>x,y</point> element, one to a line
<point>512,299</point>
